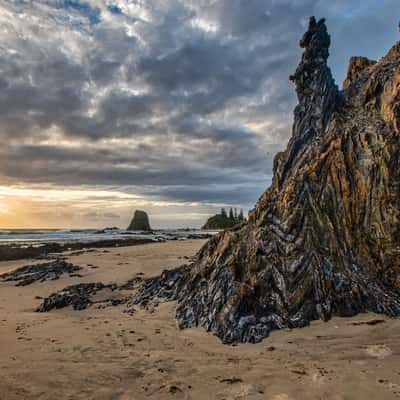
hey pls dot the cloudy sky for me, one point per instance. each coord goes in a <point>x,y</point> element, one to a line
<point>172,106</point>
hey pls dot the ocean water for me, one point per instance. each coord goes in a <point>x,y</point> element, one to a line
<point>39,236</point>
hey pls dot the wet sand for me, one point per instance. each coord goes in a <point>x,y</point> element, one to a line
<point>104,353</point>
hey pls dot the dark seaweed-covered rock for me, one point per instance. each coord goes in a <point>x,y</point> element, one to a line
<point>78,296</point>
<point>40,272</point>
<point>324,239</point>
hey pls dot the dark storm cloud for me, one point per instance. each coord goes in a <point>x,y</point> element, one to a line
<point>181,100</point>
<point>143,166</point>
<point>224,193</point>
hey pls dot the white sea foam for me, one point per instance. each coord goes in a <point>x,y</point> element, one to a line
<point>37,236</point>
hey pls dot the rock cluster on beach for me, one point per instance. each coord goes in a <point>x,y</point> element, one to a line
<point>82,295</point>
<point>78,296</point>
<point>40,272</point>
<point>140,222</point>
<point>324,239</point>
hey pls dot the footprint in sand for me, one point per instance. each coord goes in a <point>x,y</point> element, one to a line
<point>240,390</point>
<point>393,387</point>
<point>282,396</point>
<point>379,351</point>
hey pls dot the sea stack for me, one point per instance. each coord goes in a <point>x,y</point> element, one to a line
<point>140,222</point>
<point>324,239</point>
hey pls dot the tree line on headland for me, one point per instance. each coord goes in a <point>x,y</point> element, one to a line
<point>225,220</point>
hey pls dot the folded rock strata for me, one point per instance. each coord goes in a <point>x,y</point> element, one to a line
<point>324,239</point>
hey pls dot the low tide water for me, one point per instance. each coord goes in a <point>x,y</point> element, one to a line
<point>38,236</point>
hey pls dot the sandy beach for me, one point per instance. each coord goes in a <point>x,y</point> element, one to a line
<point>104,353</point>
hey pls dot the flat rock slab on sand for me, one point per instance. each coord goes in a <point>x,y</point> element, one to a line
<point>104,353</point>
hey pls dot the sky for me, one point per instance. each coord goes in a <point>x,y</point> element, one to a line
<point>176,107</point>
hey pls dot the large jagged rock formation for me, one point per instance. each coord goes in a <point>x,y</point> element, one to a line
<point>140,222</point>
<point>324,239</point>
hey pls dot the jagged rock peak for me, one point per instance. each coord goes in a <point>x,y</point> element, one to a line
<point>358,66</point>
<point>140,222</point>
<point>316,42</point>
<point>317,93</point>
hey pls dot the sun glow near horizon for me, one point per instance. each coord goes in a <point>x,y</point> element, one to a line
<point>37,206</point>
<point>3,206</point>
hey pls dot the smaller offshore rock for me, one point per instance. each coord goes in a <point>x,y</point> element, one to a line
<point>140,222</point>
<point>40,272</point>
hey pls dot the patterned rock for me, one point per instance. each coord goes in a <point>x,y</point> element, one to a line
<point>324,239</point>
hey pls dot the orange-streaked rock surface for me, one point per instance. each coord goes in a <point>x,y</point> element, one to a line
<point>324,239</point>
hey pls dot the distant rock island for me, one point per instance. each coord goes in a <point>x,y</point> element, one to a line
<point>224,220</point>
<point>140,222</point>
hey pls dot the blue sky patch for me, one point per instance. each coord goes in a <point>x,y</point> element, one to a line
<point>91,13</point>
<point>113,8</point>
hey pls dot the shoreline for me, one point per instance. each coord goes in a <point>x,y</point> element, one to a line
<point>11,252</point>
<point>20,251</point>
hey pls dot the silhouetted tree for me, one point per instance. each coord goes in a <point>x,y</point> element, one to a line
<point>241,216</point>
<point>223,212</point>
<point>231,214</point>
<point>235,214</point>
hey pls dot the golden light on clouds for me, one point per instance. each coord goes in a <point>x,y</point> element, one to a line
<point>60,194</point>
<point>56,207</point>
<point>3,206</point>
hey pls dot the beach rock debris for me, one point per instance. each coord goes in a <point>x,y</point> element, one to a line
<point>78,296</point>
<point>83,295</point>
<point>324,239</point>
<point>140,222</point>
<point>40,272</point>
